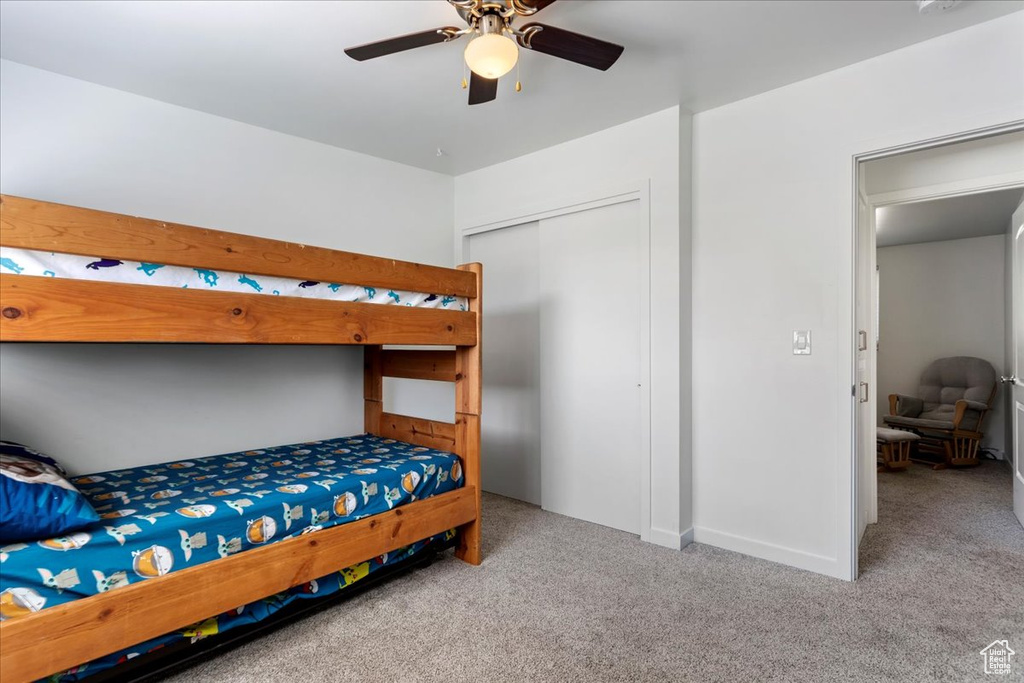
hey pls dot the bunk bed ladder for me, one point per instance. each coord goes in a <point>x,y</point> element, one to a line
<point>462,437</point>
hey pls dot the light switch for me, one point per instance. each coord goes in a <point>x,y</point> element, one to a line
<point>801,342</point>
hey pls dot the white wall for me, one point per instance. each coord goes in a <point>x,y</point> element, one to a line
<point>645,152</point>
<point>773,252</point>
<point>98,407</point>
<point>937,300</point>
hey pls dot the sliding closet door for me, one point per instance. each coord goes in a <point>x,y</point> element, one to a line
<point>590,365</point>
<point>510,420</point>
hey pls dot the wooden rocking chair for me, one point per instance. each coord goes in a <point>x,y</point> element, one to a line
<point>955,395</point>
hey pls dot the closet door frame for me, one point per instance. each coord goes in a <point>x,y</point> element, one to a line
<point>538,209</point>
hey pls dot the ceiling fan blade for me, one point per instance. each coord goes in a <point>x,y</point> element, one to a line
<point>401,43</point>
<point>527,8</point>
<point>481,89</point>
<point>575,47</point>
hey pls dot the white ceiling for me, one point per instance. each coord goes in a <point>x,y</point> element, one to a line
<point>280,65</point>
<point>952,218</point>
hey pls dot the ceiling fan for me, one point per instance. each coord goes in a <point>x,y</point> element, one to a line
<point>493,51</point>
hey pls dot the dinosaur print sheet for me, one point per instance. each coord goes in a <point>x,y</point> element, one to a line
<point>48,264</point>
<point>162,518</point>
<point>257,611</point>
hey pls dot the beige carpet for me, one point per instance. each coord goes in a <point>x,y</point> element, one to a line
<point>561,600</point>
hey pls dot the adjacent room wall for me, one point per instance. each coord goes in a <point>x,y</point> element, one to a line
<point>937,300</point>
<point>648,152</point>
<point>97,407</point>
<point>773,252</point>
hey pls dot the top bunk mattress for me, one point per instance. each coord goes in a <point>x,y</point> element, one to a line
<point>71,266</point>
<point>166,517</point>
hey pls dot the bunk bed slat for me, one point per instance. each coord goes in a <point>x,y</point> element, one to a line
<point>47,309</point>
<point>419,431</point>
<point>433,365</point>
<point>44,226</point>
<point>67,635</point>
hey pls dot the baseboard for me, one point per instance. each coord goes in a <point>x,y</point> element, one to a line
<point>819,564</point>
<point>671,539</point>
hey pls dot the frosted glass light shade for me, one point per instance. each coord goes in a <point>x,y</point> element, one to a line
<point>491,55</point>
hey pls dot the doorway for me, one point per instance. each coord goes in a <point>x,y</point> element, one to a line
<point>934,280</point>
<point>565,372</point>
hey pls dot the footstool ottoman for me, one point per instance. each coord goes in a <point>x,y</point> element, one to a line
<point>895,446</point>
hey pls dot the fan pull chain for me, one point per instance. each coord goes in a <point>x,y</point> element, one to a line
<point>519,85</point>
<point>464,84</point>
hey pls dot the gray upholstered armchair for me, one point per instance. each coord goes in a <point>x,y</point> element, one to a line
<point>954,395</point>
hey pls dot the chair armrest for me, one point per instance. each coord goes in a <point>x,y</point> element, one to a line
<point>961,410</point>
<point>905,406</point>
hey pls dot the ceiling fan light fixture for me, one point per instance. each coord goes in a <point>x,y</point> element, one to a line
<point>494,42</point>
<point>491,55</point>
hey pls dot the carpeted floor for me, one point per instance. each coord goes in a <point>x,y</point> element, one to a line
<point>557,599</point>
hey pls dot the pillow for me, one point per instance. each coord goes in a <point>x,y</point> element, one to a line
<point>36,499</point>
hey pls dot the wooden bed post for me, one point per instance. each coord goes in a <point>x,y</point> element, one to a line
<point>373,389</point>
<point>467,419</point>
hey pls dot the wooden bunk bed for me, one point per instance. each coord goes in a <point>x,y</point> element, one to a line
<point>42,309</point>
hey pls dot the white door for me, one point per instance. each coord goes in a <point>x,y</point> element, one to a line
<point>1017,366</point>
<point>590,291</point>
<point>510,420</point>
<point>864,393</point>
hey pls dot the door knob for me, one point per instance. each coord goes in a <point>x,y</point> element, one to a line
<point>1008,380</point>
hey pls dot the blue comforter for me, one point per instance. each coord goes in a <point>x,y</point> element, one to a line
<point>159,519</point>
